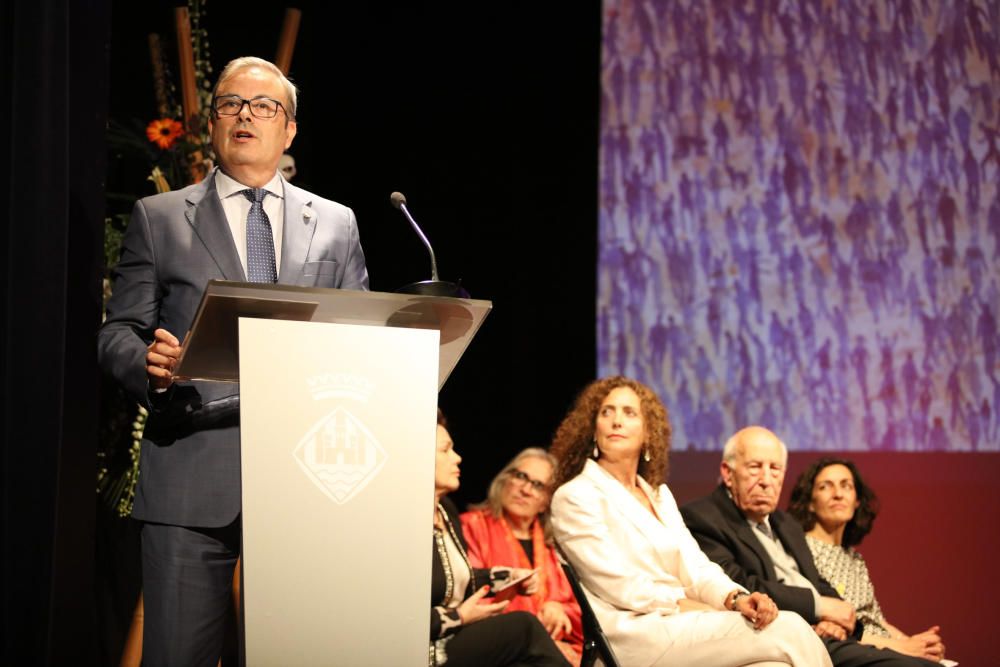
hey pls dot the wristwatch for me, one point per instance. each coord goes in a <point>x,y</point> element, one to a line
<point>739,594</point>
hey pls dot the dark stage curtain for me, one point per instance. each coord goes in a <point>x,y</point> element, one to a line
<point>54,107</point>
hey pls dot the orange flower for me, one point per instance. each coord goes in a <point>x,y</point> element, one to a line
<point>164,132</point>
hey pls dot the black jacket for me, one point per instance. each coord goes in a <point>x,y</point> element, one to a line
<point>726,538</point>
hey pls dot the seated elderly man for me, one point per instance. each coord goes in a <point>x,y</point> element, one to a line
<point>763,549</point>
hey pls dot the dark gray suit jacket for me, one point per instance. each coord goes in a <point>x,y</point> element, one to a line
<point>175,243</point>
<point>725,536</point>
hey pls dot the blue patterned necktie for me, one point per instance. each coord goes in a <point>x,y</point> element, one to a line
<point>260,242</point>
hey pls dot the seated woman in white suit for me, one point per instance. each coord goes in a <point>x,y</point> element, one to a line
<point>659,599</point>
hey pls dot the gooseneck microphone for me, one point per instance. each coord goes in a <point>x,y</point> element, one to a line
<point>399,201</point>
<point>434,286</point>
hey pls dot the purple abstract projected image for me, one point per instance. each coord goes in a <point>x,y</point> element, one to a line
<point>800,219</point>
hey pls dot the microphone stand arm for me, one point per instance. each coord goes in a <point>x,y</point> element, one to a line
<point>420,233</point>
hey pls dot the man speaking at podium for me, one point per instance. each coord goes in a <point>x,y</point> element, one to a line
<point>243,222</point>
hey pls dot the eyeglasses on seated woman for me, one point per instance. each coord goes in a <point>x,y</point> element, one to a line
<point>511,528</point>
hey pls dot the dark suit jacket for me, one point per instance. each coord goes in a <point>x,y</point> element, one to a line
<point>175,243</point>
<point>725,536</point>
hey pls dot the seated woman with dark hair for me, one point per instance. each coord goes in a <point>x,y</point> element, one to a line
<point>836,509</point>
<point>465,628</point>
<point>511,528</point>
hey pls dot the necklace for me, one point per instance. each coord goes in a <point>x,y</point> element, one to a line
<point>443,551</point>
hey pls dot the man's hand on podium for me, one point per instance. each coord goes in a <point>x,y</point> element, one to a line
<point>161,357</point>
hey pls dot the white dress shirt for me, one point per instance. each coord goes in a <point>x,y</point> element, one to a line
<point>236,207</point>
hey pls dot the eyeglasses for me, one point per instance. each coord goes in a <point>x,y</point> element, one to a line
<point>260,107</point>
<point>536,486</point>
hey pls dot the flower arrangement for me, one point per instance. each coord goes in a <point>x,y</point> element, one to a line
<point>164,132</point>
<point>174,150</point>
<point>118,491</point>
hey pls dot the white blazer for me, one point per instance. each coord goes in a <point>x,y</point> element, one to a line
<point>633,568</point>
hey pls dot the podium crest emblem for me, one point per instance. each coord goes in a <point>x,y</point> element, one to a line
<point>340,455</point>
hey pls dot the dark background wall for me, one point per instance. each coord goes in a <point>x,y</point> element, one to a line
<point>486,117</point>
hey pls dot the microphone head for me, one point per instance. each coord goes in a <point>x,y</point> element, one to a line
<point>397,199</point>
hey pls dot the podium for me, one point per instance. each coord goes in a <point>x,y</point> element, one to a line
<point>338,397</point>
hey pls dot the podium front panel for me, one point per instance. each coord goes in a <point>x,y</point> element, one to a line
<point>338,429</point>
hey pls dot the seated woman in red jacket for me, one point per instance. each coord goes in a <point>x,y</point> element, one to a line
<point>466,630</point>
<point>510,528</point>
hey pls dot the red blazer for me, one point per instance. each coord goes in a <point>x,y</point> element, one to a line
<point>492,543</point>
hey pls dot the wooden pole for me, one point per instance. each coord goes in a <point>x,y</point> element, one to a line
<point>189,89</point>
<point>286,43</point>
<point>159,76</point>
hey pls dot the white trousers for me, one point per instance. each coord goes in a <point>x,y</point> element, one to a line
<point>726,639</point>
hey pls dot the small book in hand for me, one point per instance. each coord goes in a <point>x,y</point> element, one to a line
<point>508,589</point>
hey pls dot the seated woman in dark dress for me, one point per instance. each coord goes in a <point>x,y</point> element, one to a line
<point>465,628</point>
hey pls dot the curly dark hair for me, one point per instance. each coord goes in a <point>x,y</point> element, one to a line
<point>574,439</point>
<point>868,505</point>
